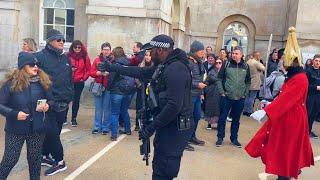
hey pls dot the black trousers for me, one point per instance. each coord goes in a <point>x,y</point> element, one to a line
<point>165,167</point>
<point>13,146</point>
<point>78,88</point>
<point>138,105</point>
<point>52,142</point>
<point>313,108</point>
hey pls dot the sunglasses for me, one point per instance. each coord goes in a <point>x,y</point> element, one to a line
<point>77,47</point>
<point>33,64</point>
<point>218,62</point>
<point>59,40</point>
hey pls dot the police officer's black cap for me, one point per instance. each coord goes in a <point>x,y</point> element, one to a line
<point>160,41</point>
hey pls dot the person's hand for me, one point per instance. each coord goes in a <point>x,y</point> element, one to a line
<point>259,115</point>
<point>45,107</point>
<point>223,94</point>
<point>202,85</point>
<point>106,73</point>
<point>22,116</point>
<point>146,132</point>
<point>202,97</point>
<point>318,88</point>
<point>99,73</point>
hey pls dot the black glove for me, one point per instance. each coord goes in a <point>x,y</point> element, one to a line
<point>104,66</point>
<point>147,132</point>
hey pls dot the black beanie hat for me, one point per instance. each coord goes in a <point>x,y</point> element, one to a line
<point>54,34</point>
<point>26,58</point>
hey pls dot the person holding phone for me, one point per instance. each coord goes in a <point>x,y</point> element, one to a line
<point>25,118</point>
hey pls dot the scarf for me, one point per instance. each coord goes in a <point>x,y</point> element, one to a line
<point>34,79</point>
<point>54,50</point>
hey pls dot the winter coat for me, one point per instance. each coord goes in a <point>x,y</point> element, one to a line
<point>256,69</point>
<point>82,67</point>
<point>314,81</point>
<point>26,101</point>
<point>198,72</point>
<point>234,79</point>
<point>116,80</point>
<point>283,141</point>
<point>272,66</point>
<point>94,69</point>
<point>58,67</point>
<point>212,107</point>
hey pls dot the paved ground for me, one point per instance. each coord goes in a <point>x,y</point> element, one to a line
<point>96,157</point>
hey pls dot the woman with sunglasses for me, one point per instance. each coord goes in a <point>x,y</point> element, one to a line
<point>212,108</point>
<point>80,63</point>
<point>20,93</point>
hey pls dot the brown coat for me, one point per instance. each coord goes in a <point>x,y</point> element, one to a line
<point>256,68</point>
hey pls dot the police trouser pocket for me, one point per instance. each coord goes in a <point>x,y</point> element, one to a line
<point>166,166</point>
<point>183,123</point>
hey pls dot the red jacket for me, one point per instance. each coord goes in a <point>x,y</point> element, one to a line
<point>283,141</point>
<point>81,63</point>
<point>93,72</point>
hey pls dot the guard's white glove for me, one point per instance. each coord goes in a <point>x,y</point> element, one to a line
<point>258,115</point>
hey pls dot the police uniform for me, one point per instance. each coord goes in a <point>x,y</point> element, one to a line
<point>171,82</point>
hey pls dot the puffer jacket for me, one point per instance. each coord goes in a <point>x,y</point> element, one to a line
<point>198,72</point>
<point>115,79</point>
<point>13,102</point>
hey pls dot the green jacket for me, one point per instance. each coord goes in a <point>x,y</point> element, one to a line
<point>234,79</point>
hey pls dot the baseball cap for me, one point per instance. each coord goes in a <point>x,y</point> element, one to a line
<point>160,41</point>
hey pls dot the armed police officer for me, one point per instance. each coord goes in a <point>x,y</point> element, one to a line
<point>171,83</point>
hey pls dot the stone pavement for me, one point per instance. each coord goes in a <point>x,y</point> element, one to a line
<point>96,157</point>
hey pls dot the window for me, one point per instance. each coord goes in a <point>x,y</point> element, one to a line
<point>236,34</point>
<point>57,14</point>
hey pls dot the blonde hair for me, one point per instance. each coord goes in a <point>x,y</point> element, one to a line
<point>31,43</point>
<point>21,79</point>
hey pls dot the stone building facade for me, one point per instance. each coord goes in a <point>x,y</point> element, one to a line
<point>218,23</point>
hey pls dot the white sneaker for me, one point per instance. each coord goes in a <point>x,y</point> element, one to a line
<point>229,119</point>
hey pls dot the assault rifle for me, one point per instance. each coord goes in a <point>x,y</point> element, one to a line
<point>145,118</point>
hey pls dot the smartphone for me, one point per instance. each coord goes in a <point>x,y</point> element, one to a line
<point>41,103</point>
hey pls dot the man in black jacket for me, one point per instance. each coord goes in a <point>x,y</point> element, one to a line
<point>53,61</point>
<point>313,99</point>
<point>171,81</point>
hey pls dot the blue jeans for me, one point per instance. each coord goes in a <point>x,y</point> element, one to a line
<point>249,101</point>
<point>225,105</point>
<point>196,102</point>
<point>119,105</point>
<point>102,112</point>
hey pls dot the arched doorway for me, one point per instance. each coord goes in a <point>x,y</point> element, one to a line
<point>238,30</point>
<point>187,32</point>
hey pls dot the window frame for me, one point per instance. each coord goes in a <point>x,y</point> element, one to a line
<point>237,37</point>
<point>42,42</point>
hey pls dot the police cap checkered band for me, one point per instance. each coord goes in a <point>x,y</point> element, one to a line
<point>160,41</point>
<point>159,44</point>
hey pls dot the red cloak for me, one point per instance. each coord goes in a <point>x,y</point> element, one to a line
<point>283,141</point>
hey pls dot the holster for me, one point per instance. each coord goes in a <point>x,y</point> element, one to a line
<point>183,123</point>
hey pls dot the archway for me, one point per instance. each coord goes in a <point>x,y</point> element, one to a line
<point>237,20</point>
<point>187,32</point>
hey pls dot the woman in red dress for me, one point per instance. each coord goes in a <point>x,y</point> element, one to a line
<point>283,141</point>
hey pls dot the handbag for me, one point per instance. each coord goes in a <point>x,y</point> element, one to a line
<point>96,88</point>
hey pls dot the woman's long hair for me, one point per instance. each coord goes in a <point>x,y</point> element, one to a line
<point>21,79</point>
<point>83,53</point>
<point>144,62</point>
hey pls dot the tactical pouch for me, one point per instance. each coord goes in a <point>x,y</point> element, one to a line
<point>183,123</point>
